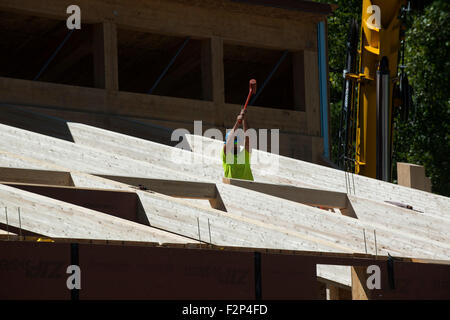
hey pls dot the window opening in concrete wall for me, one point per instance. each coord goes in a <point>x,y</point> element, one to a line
<point>243,63</point>
<point>144,56</point>
<point>27,43</point>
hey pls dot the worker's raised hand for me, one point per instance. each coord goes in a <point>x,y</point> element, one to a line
<point>241,115</point>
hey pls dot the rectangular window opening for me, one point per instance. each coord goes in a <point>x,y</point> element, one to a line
<point>244,63</point>
<point>28,42</point>
<point>144,56</point>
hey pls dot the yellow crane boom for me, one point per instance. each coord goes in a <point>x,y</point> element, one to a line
<point>379,49</point>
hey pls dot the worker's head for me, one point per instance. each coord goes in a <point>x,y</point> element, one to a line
<point>235,145</point>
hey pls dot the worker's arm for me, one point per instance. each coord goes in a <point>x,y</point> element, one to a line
<point>246,126</point>
<point>230,140</point>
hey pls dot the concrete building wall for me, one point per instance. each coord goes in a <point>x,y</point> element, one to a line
<point>103,70</point>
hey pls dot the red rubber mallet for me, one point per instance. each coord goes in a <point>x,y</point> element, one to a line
<point>252,91</point>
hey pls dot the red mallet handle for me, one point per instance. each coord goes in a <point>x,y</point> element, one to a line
<point>252,91</point>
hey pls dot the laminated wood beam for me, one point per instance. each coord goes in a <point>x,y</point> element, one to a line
<point>328,282</point>
<point>122,204</point>
<point>16,232</point>
<point>359,288</point>
<point>175,188</point>
<point>413,176</point>
<point>311,197</point>
<point>52,218</point>
<point>20,117</point>
<point>56,178</point>
<point>83,213</point>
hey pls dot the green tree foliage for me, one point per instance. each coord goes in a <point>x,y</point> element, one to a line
<point>424,138</point>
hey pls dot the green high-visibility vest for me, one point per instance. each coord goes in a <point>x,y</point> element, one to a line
<point>237,167</point>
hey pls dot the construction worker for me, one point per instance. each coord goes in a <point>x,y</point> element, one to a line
<point>236,163</point>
